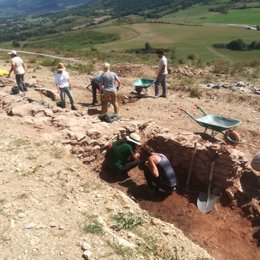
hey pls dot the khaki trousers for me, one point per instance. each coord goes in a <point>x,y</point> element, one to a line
<point>109,97</point>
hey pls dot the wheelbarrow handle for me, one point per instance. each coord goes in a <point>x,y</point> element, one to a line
<point>186,112</point>
<point>198,107</point>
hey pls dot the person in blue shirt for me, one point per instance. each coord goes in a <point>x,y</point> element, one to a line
<point>94,87</point>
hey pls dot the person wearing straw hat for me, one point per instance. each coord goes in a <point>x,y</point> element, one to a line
<point>159,173</point>
<point>18,67</point>
<point>123,155</point>
<point>62,82</point>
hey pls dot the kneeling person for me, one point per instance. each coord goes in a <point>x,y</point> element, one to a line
<point>159,173</point>
<point>123,155</point>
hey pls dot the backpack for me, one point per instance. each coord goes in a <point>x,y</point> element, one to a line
<point>15,91</point>
<point>108,117</point>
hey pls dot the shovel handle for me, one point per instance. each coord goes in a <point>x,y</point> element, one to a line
<point>191,164</point>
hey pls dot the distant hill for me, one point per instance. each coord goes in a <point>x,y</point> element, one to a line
<point>118,8</point>
<point>29,7</point>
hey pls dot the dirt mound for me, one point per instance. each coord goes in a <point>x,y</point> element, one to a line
<point>83,134</point>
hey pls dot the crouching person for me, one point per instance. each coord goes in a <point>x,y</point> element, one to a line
<point>159,173</point>
<point>123,155</point>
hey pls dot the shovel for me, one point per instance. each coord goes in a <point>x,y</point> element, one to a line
<point>41,102</point>
<point>190,168</point>
<point>206,201</point>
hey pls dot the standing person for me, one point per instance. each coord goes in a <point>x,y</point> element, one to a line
<point>159,173</point>
<point>161,76</point>
<point>18,67</point>
<point>95,87</point>
<point>109,88</point>
<point>62,82</point>
<point>123,155</point>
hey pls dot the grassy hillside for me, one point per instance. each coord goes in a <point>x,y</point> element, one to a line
<point>198,14</point>
<point>100,26</point>
<point>72,41</point>
<point>188,40</point>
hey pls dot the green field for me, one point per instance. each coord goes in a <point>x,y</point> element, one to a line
<point>195,40</point>
<point>72,41</point>
<point>248,16</point>
<point>114,41</point>
<point>198,14</point>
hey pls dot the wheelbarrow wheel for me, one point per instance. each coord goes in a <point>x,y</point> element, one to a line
<point>138,90</point>
<point>231,137</point>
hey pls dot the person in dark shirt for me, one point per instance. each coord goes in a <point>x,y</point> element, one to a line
<point>94,87</point>
<point>159,173</point>
<point>123,156</point>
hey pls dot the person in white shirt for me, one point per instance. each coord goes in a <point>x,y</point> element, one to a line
<point>161,76</point>
<point>18,67</point>
<point>62,82</point>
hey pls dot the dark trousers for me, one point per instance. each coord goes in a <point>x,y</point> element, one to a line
<point>154,182</point>
<point>95,87</point>
<point>130,165</point>
<point>20,82</point>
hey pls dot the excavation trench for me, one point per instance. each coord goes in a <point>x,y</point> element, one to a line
<point>226,233</point>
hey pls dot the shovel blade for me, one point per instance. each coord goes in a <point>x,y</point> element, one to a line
<point>206,203</point>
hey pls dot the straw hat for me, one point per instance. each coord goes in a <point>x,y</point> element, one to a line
<point>60,67</point>
<point>134,138</point>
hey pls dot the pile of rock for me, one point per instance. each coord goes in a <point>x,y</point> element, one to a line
<point>236,86</point>
<point>189,71</point>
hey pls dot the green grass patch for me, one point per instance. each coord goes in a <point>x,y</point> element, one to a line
<point>126,220</point>
<point>245,16</point>
<point>72,41</point>
<point>94,228</point>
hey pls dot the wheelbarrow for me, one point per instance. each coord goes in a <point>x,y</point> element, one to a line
<point>217,124</point>
<point>142,85</point>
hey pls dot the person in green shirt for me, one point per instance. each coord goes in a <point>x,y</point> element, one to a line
<point>123,156</point>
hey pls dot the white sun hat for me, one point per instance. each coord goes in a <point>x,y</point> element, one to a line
<point>134,138</point>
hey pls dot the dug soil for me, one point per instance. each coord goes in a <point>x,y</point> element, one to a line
<point>225,233</point>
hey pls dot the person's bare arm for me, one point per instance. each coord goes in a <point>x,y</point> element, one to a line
<point>69,84</point>
<point>11,70</point>
<point>161,71</point>
<point>58,88</point>
<point>118,83</point>
<point>151,163</point>
<point>136,155</point>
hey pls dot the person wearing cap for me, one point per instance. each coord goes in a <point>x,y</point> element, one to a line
<point>62,82</point>
<point>161,76</point>
<point>123,155</point>
<point>109,88</point>
<point>18,67</point>
<point>159,173</point>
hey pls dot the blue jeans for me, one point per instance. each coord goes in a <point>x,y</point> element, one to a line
<point>20,82</point>
<point>161,80</point>
<point>66,91</point>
